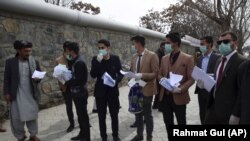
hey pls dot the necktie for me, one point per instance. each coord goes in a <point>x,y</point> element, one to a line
<point>138,64</point>
<point>221,71</point>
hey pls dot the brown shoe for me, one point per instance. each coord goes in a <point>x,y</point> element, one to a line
<point>23,139</point>
<point>2,130</point>
<point>35,138</point>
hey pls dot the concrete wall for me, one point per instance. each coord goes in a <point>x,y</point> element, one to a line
<point>48,36</point>
<point>48,26</point>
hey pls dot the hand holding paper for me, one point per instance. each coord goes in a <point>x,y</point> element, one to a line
<point>38,75</point>
<point>172,83</point>
<point>200,83</point>
<point>108,80</point>
<point>128,74</point>
<point>208,81</point>
<point>61,73</point>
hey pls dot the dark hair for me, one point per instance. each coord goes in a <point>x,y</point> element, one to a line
<point>208,39</point>
<point>65,44</point>
<point>174,37</point>
<point>19,44</point>
<point>162,44</point>
<point>73,46</point>
<point>105,42</point>
<point>234,37</point>
<point>139,39</point>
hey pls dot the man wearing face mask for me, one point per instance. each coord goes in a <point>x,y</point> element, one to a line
<point>106,96</point>
<point>146,66</point>
<point>207,63</point>
<point>223,97</point>
<point>21,91</point>
<point>67,97</point>
<point>76,87</point>
<point>180,63</point>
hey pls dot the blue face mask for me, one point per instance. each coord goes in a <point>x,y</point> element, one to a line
<point>133,50</point>
<point>69,57</point>
<point>168,48</point>
<point>103,52</point>
<point>225,49</point>
<point>203,49</point>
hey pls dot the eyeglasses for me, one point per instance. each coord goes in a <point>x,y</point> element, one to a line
<point>223,41</point>
<point>167,43</point>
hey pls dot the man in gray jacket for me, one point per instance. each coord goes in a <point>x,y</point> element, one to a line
<point>21,91</point>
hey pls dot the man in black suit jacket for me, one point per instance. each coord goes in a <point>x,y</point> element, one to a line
<point>223,98</point>
<point>106,95</point>
<point>207,63</point>
<point>242,111</point>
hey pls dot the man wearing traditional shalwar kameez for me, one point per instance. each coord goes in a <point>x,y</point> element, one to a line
<point>21,91</point>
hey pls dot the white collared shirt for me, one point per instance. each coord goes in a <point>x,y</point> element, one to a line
<point>205,60</point>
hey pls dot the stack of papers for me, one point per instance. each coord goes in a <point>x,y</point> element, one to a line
<point>38,74</point>
<point>62,74</point>
<point>108,80</point>
<point>208,81</point>
<point>172,82</point>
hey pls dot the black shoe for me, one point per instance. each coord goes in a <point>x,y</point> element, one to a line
<point>70,128</point>
<point>133,125</point>
<point>116,139</point>
<point>137,138</point>
<point>104,139</point>
<point>94,111</point>
<point>76,138</point>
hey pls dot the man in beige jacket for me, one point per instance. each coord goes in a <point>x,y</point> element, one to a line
<point>179,63</point>
<point>145,64</point>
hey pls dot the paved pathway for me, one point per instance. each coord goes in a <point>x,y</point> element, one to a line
<point>53,122</point>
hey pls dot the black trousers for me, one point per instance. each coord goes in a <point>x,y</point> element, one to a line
<point>203,101</point>
<point>168,108</point>
<point>82,114</point>
<point>111,101</point>
<point>212,117</point>
<point>69,107</point>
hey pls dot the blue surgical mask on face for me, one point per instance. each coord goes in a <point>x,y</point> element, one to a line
<point>225,49</point>
<point>103,52</point>
<point>69,57</point>
<point>133,50</point>
<point>168,48</point>
<point>203,49</point>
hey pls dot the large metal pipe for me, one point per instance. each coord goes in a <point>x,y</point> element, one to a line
<point>41,9</point>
